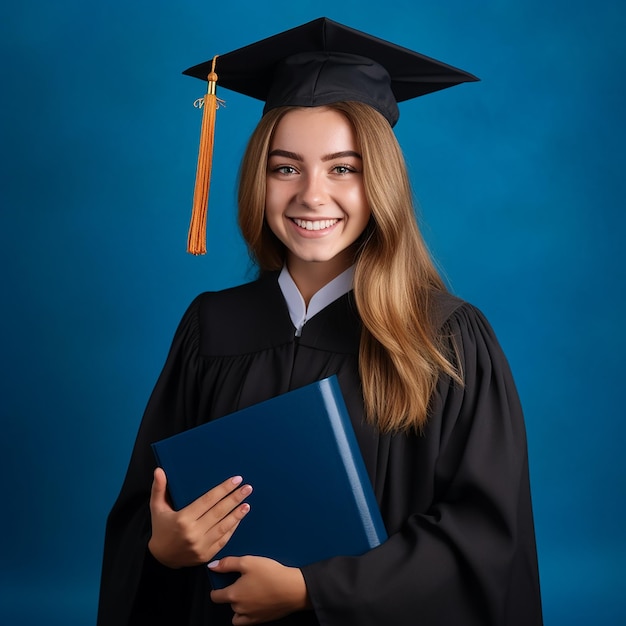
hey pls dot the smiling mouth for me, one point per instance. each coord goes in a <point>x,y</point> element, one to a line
<point>315,224</point>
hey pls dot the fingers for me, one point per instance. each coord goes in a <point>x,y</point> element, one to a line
<point>219,535</point>
<point>222,499</point>
<point>221,503</point>
<point>229,511</point>
<point>215,525</point>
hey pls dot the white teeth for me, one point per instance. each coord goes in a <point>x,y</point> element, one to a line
<point>317,225</point>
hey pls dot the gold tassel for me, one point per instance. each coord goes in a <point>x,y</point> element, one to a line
<point>196,239</point>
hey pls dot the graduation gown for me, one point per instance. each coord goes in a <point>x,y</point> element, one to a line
<point>455,500</point>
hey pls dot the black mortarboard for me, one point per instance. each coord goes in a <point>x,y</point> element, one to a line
<point>318,63</point>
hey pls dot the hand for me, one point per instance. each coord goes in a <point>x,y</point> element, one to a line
<point>195,534</point>
<point>266,590</point>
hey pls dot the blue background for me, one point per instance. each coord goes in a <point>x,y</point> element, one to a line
<point>520,179</point>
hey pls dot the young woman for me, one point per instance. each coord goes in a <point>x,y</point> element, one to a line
<point>345,287</point>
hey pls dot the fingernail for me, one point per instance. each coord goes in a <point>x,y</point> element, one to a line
<point>236,480</point>
<point>246,490</point>
<point>213,564</point>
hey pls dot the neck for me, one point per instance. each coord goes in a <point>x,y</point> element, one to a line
<point>311,276</point>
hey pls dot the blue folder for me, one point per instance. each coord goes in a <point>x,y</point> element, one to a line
<point>312,496</point>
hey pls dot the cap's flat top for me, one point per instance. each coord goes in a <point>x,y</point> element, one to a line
<point>250,70</point>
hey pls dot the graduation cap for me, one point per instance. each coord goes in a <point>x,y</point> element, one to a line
<point>316,64</point>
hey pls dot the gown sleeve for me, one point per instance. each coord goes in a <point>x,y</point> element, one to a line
<point>133,583</point>
<point>468,557</point>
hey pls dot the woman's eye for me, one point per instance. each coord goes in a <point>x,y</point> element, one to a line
<point>343,169</point>
<point>285,169</point>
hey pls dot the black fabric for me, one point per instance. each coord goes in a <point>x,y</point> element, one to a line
<point>314,64</point>
<point>455,501</point>
<point>315,79</point>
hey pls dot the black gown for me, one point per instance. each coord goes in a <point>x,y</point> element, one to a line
<point>455,500</point>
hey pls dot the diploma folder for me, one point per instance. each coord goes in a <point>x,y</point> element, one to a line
<point>312,498</point>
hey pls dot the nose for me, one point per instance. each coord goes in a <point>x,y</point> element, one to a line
<point>313,190</point>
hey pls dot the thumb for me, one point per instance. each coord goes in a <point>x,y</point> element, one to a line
<point>226,564</point>
<point>158,499</point>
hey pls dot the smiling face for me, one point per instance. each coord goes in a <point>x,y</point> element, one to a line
<point>315,202</point>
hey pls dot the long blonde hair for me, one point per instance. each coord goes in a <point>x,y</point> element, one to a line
<point>401,353</point>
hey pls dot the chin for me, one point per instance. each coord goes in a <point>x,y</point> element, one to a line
<point>316,257</point>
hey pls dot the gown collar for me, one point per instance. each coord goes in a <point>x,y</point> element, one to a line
<point>330,292</point>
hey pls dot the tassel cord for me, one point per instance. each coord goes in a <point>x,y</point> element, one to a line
<point>196,239</point>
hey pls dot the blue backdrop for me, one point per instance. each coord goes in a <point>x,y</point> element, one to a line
<point>520,179</point>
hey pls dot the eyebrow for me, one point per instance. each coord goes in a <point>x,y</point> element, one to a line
<point>328,157</point>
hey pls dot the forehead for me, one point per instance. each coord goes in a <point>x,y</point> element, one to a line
<point>314,127</point>
<point>314,132</point>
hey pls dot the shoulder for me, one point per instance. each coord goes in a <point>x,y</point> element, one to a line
<point>443,306</point>
<point>488,388</point>
<point>450,312</point>
<point>241,319</point>
<point>453,316</point>
<point>236,301</point>
<point>467,328</point>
